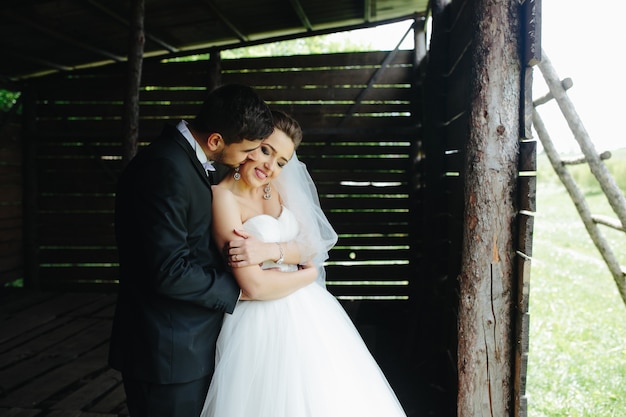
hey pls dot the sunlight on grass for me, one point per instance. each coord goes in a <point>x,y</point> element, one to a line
<point>577,362</point>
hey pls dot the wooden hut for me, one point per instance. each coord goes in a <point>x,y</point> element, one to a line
<point>423,158</point>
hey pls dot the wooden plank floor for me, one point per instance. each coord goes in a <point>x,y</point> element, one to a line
<point>53,356</point>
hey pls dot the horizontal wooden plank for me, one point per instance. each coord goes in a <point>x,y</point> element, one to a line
<point>104,237</point>
<point>393,93</point>
<point>347,241</point>
<point>369,272</point>
<point>373,292</point>
<point>195,93</point>
<point>321,176</point>
<point>364,254</point>
<point>157,110</point>
<point>363,189</point>
<point>88,148</point>
<point>53,276</point>
<point>75,150</point>
<point>79,255</point>
<point>354,249</point>
<point>373,229</point>
<point>152,127</point>
<point>367,217</point>
<point>387,93</point>
<point>336,60</point>
<point>55,184</point>
<point>384,206</point>
<point>86,202</point>
<point>321,75</point>
<point>100,88</point>
<point>360,151</point>
<point>371,165</point>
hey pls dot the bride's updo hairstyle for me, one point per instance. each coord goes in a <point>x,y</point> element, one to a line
<point>289,125</point>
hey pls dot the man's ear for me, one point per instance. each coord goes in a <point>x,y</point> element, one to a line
<point>215,142</point>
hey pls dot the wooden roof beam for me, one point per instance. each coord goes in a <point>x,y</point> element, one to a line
<point>31,58</point>
<point>304,19</point>
<point>110,13</point>
<point>226,21</point>
<point>62,37</point>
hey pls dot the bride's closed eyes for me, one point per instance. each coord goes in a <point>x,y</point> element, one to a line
<point>269,151</point>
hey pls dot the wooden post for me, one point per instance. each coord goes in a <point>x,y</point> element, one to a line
<point>30,191</point>
<point>487,279</point>
<point>135,62</point>
<point>215,70</point>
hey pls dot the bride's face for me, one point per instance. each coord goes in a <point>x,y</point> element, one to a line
<point>268,161</point>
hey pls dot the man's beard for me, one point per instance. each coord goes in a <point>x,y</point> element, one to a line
<point>219,158</point>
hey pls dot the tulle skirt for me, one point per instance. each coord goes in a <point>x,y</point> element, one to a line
<point>299,356</point>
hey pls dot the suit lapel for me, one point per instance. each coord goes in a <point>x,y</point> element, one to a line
<point>180,139</point>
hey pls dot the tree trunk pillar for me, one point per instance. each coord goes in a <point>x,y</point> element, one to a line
<point>487,295</point>
<point>137,40</point>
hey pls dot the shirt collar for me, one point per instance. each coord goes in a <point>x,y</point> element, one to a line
<point>184,130</point>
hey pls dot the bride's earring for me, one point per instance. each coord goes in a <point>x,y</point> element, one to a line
<point>268,192</point>
<point>237,175</point>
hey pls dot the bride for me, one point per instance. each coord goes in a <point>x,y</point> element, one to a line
<point>300,355</point>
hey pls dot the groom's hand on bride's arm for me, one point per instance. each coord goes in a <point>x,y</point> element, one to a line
<point>248,250</point>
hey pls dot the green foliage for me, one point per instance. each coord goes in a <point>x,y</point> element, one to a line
<point>7,99</point>
<point>322,44</point>
<point>577,354</point>
<point>18,283</point>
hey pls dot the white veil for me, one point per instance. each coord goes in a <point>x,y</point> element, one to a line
<point>299,194</point>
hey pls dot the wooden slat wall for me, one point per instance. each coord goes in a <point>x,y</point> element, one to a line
<point>11,239</point>
<point>357,154</point>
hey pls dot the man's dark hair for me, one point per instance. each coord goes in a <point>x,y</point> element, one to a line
<point>236,112</point>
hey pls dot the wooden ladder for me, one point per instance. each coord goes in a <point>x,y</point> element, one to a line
<point>607,183</point>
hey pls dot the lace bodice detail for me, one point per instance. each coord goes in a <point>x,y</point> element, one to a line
<point>274,229</point>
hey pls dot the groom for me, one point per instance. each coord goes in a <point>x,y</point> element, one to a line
<point>174,287</point>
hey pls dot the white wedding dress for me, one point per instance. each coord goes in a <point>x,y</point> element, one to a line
<point>299,356</point>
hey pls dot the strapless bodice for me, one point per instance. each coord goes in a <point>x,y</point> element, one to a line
<point>273,229</point>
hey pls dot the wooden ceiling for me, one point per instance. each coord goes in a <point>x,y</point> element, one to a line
<point>39,37</point>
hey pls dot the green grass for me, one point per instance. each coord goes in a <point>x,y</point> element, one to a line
<point>577,362</point>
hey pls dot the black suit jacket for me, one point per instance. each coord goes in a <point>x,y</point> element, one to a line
<point>174,285</point>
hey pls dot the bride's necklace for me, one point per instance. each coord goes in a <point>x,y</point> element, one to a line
<point>255,202</point>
